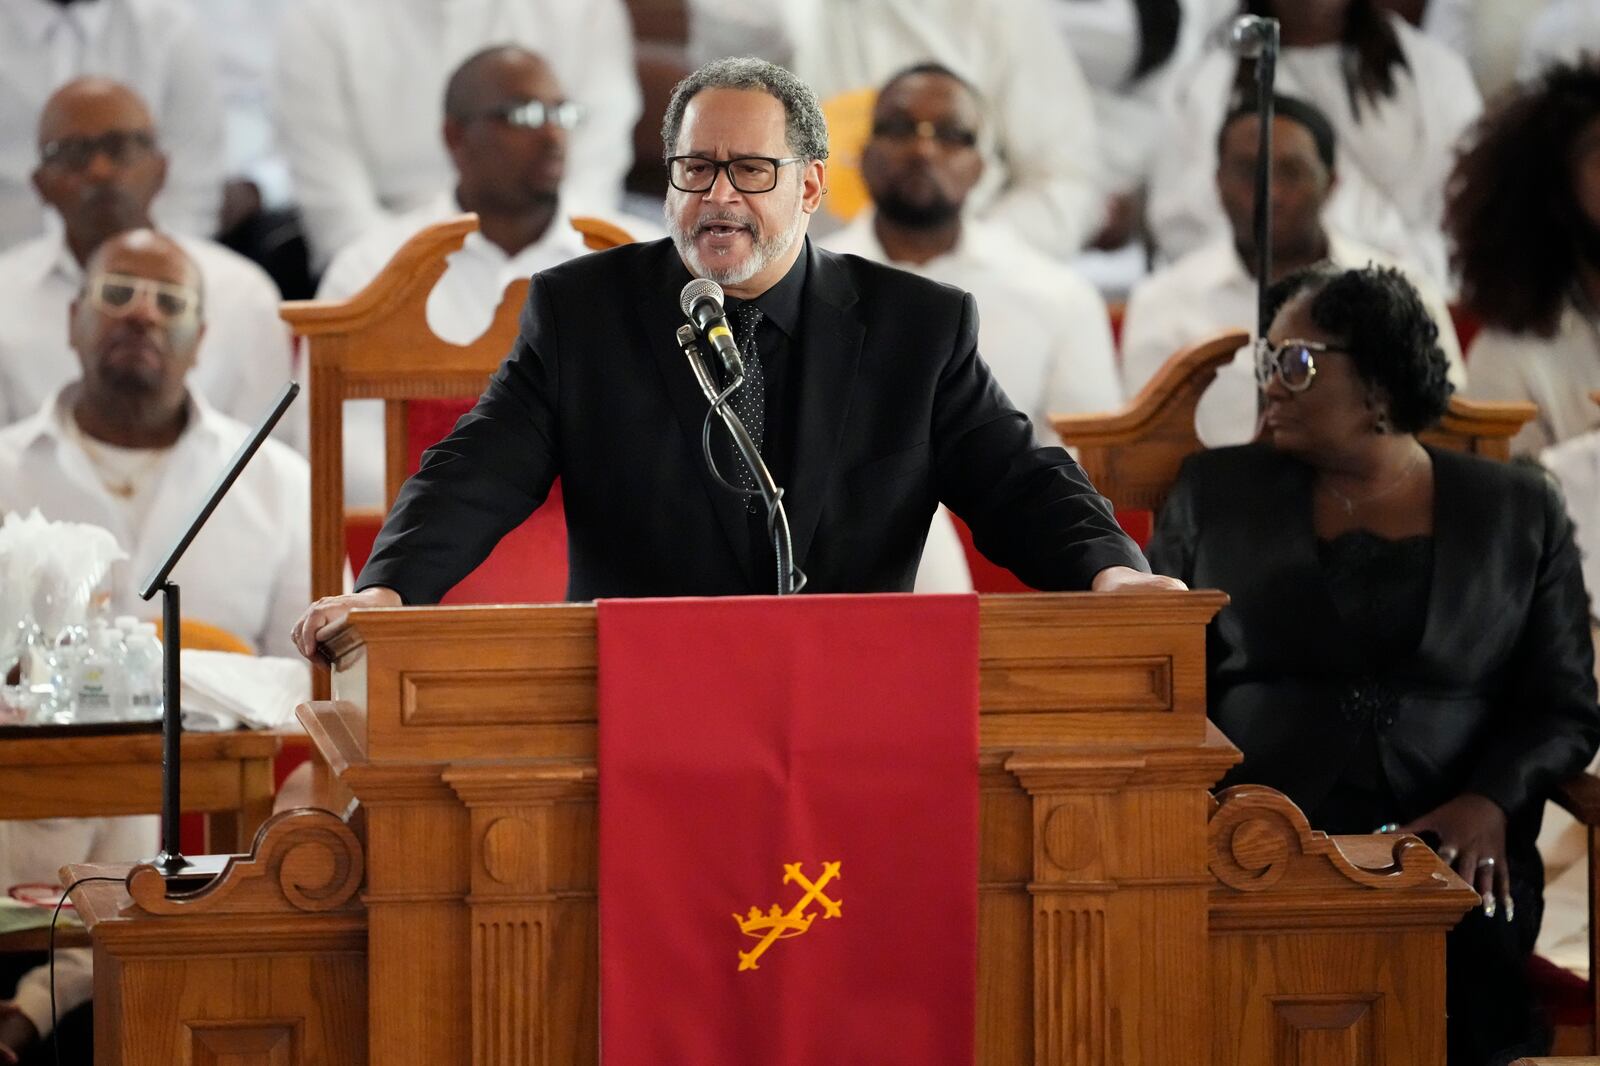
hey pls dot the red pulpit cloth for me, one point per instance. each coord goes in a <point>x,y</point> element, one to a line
<point>788,831</point>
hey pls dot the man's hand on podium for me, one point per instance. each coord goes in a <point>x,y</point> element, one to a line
<point>1127,579</point>
<point>331,610</point>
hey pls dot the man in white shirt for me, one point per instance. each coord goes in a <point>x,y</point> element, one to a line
<point>100,168</point>
<point>129,447</point>
<point>507,127</point>
<point>1213,289</point>
<point>1041,179</point>
<point>358,104</point>
<point>154,46</point>
<point>31,853</point>
<point>1395,145</point>
<point>1044,331</point>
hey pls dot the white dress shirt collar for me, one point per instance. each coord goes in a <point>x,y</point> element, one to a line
<point>558,242</point>
<point>48,427</point>
<point>1217,263</point>
<point>860,237</point>
<point>39,20</point>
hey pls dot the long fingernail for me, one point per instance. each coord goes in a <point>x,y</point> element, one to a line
<point>1511,909</point>
<point>1488,907</point>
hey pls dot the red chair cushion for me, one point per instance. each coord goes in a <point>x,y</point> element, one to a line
<point>989,577</point>
<point>1564,995</point>
<point>529,565</point>
<point>1467,325</point>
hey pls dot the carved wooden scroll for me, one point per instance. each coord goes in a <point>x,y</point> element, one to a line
<point>1257,835</point>
<point>302,860</point>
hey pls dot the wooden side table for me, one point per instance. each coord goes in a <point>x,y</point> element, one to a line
<point>226,776</point>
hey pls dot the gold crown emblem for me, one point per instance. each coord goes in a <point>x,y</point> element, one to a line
<point>779,924</point>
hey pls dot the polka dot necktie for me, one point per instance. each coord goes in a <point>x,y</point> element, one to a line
<point>750,402</point>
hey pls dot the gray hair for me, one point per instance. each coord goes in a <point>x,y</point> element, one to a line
<point>805,130</point>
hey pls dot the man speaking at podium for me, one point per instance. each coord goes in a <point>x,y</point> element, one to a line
<point>864,391</point>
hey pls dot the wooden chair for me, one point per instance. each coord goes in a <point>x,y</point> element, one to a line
<point>1133,456</point>
<point>378,345</point>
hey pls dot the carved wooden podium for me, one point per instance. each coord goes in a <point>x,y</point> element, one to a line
<point>1126,916</point>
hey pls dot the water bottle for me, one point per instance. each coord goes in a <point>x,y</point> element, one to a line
<point>117,662</point>
<point>57,669</point>
<point>94,678</point>
<point>142,673</point>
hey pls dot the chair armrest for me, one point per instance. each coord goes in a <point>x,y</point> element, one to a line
<point>1579,796</point>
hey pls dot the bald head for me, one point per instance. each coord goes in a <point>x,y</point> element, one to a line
<point>87,107</point>
<point>484,79</point>
<point>99,166</point>
<point>144,253</point>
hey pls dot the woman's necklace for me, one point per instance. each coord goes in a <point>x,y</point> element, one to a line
<point>1400,479</point>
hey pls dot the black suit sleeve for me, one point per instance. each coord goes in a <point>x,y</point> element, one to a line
<point>482,480</point>
<point>1550,725</point>
<point>1031,508</point>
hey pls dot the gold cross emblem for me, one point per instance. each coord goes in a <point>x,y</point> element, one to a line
<point>778,924</point>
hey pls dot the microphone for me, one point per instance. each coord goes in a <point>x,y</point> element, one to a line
<point>701,301</point>
<point>1248,35</point>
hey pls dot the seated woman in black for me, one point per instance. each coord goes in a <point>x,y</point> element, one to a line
<point>1408,640</point>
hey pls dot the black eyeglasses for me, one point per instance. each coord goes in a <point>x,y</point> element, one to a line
<point>119,146</point>
<point>1293,361</point>
<point>536,114</point>
<point>748,173</point>
<point>904,129</point>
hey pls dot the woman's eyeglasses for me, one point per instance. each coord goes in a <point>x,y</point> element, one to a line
<point>1293,361</point>
<point>117,294</point>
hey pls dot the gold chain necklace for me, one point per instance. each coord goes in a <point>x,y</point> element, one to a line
<point>1400,479</point>
<point>123,487</point>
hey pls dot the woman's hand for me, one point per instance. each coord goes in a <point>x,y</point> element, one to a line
<point>1472,838</point>
<point>17,1033</point>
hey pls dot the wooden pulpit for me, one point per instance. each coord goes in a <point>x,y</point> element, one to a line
<point>1127,917</point>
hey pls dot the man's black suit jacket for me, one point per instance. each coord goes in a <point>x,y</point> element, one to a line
<point>894,411</point>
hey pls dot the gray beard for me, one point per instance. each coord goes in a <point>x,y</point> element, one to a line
<point>763,254</point>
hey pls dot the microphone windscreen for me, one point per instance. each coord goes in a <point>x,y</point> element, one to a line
<point>697,290</point>
<point>1247,35</point>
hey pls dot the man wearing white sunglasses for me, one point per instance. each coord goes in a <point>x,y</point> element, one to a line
<point>130,446</point>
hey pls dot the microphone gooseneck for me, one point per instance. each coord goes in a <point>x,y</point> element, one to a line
<point>701,302</point>
<point>705,298</point>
